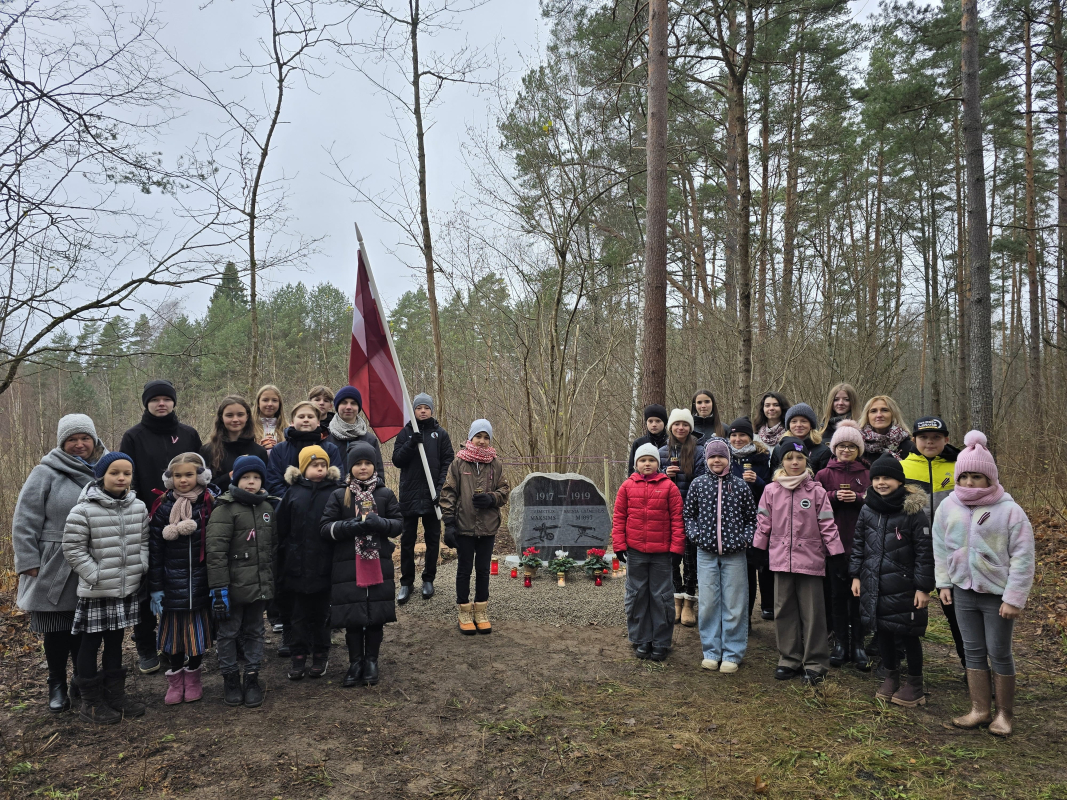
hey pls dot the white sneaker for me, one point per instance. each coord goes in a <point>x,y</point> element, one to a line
<point>728,666</point>
<point>709,663</point>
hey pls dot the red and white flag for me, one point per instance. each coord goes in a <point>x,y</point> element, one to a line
<point>373,367</point>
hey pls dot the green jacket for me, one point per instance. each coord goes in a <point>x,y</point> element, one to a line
<point>242,546</point>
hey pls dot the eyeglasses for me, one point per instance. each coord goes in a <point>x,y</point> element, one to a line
<point>846,447</point>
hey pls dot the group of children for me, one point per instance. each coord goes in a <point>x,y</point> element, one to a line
<point>853,541</point>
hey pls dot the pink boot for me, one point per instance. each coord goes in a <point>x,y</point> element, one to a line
<point>193,690</point>
<point>175,687</point>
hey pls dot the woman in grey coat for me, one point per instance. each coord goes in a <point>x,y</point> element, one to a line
<point>48,588</point>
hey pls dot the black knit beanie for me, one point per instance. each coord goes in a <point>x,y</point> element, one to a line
<point>657,411</point>
<point>158,388</point>
<point>886,466</point>
<point>742,425</point>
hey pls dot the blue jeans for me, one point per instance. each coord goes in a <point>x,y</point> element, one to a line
<point>722,604</point>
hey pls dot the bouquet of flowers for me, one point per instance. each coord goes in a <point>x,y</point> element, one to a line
<point>594,561</point>
<point>530,560</point>
<point>561,563</point>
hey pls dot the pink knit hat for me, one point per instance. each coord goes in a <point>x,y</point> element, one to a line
<point>847,431</point>
<point>976,458</point>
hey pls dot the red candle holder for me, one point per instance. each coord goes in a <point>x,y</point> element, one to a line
<point>514,572</point>
<point>598,581</point>
<point>527,582</point>
<point>494,566</point>
<point>615,564</point>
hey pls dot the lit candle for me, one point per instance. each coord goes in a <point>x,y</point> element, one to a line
<point>598,581</point>
<point>615,564</point>
<point>527,582</point>
<point>494,566</point>
<point>514,572</point>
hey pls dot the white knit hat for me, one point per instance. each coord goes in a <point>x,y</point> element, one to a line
<point>647,449</point>
<point>680,415</point>
<point>72,424</point>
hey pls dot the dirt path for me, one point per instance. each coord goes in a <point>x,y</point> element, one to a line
<point>542,711</point>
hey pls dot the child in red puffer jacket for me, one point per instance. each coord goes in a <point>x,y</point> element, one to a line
<point>646,529</point>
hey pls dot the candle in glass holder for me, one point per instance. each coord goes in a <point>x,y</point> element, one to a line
<point>527,582</point>
<point>561,578</point>
<point>514,572</point>
<point>598,581</point>
<point>494,566</point>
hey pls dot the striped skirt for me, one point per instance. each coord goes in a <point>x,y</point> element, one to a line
<point>99,614</point>
<point>186,632</point>
<point>51,621</point>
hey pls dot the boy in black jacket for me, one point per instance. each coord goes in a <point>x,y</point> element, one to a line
<point>655,432</point>
<point>152,443</point>
<point>415,500</point>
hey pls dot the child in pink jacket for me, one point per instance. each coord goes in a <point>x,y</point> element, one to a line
<point>795,524</point>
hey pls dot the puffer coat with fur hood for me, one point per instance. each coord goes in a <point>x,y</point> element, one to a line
<point>105,541</point>
<point>305,559</point>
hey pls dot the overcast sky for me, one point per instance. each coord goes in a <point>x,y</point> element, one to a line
<point>343,111</point>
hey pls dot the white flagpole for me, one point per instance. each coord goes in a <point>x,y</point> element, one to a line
<point>408,410</point>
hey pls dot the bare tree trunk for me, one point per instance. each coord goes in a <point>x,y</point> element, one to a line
<point>1034,360</point>
<point>792,180</point>
<point>875,273</point>
<point>962,292</point>
<point>424,219</point>
<point>981,344</point>
<point>765,201</point>
<point>935,312</point>
<point>1061,184</point>
<point>654,371</point>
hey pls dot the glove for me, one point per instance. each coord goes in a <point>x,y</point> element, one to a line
<point>416,437</point>
<point>450,534</point>
<point>157,603</point>
<point>374,524</point>
<point>621,555</point>
<point>839,566</point>
<point>760,557</point>
<point>220,603</point>
<point>483,500</point>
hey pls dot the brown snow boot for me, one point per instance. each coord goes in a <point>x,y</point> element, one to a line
<point>1005,686</point>
<point>678,601</point>
<point>978,684</point>
<point>910,693</point>
<point>689,617</point>
<point>889,686</point>
<point>93,707</point>
<point>466,619</point>
<point>116,697</point>
<point>481,617</point>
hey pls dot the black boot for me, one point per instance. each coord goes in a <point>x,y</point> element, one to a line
<point>147,659</point>
<point>403,595</point>
<point>75,691</point>
<point>839,653</point>
<point>285,649</point>
<point>93,707</point>
<point>253,692</point>
<point>116,697</point>
<point>354,676</point>
<point>231,686</point>
<point>860,659</point>
<point>370,670</point>
<point>58,699</point>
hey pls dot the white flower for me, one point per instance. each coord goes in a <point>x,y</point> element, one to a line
<point>561,554</point>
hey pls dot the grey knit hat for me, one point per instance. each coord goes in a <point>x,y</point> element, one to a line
<point>422,399</point>
<point>72,424</point>
<point>802,410</point>
<point>480,426</point>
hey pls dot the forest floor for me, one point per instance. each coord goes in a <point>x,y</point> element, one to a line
<point>536,710</point>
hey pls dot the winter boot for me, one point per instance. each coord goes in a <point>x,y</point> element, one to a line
<point>93,707</point>
<point>370,670</point>
<point>910,693</point>
<point>231,686</point>
<point>481,617</point>
<point>1005,692</point>
<point>297,668</point>
<point>75,692</point>
<point>147,659</point>
<point>194,690</point>
<point>980,688</point>
<point>175,687</point>
<point>678,602</point>
<point>285,649</point>
<point>466,619</point>
<point>58,699</point>
<point>889,686</point>
<point>319,663</point>
<point>354,676</point>
<point>116,697</point>
<point>689,617</point>
<point>253,692</point>
<point>860,659</point>
<point>839,653</point>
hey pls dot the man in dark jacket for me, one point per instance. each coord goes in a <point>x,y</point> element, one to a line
<point>416,502</point>
<point>152,443</point>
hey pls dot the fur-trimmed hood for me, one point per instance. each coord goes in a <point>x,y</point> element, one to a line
<point>916,500</point>
<point>292,473</point>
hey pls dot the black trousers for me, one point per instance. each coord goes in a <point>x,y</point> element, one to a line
<point>280,609</point>
<point>845,619</point>
<point>764,578</point>
<point>364,642</point>
<point>310,623</point>
<point>954,626</point>
<point>431,531</point>
<point>144,632</point>
<point>685,573</point>
<point>90,646</point>
<point>475,554</point>
<point>913,649</point>
<point>59,647</point>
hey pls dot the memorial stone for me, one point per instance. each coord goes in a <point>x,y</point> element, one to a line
<point>558,511</point>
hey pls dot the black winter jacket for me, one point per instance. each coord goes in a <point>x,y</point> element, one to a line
<point>178,567</point>
<point>818,456</point>
<point>152,443</point>
<point>353,606</point>
<point>415,497</point>
<point>893,556</point>
<point>287,454</point>
<point>659,440</point>
<point>305,559</point>
<point>220,474</point>
<point>681,480</point>
<point>343,446</point>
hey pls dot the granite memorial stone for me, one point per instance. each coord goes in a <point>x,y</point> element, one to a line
<point>558,511</point>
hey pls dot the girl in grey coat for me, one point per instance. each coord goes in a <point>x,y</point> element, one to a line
<point>47,585</point>
<point>105,541</point>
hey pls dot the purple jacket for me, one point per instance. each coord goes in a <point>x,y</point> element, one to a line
<point>858,478</point>
<point>797,528</point>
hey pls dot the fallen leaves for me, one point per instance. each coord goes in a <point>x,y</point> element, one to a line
<point>761,786</point>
